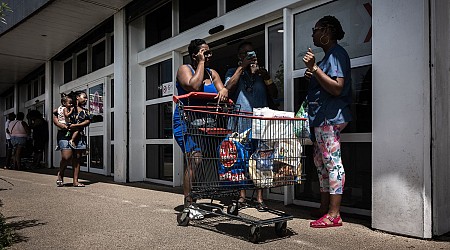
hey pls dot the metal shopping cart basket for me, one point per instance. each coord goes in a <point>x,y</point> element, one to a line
<point>227,150</point>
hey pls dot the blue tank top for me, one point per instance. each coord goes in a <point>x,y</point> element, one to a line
<point>210,88</point>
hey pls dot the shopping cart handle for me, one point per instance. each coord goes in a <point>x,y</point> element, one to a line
<point>196,95</point>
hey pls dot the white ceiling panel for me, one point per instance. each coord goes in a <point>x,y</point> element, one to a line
<point>40,37</point>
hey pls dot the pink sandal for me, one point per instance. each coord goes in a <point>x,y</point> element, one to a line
<point>320,223</point>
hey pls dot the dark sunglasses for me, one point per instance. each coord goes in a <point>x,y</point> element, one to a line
<point>207,53</point>
<point>316,29</point>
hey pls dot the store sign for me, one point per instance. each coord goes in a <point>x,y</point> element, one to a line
<point>356,20</point>
<point>167,89</point>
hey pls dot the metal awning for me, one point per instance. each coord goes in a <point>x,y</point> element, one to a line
<point>46,32</point>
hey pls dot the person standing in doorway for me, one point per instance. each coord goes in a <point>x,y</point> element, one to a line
<point>250,86</point>
<point>9,148</point>
<point>19,131</point>
<point>69,154</point>
<point>39,126</point>
<point>329,97</point>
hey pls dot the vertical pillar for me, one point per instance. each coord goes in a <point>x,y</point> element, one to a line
<point>401,139</point>
<point>48,106</point>
<point>120,98</point>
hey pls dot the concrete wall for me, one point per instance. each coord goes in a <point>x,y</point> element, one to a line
<point>440,59</point>
<point>401,177</point>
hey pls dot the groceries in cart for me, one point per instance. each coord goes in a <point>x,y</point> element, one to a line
<point>233,154</point>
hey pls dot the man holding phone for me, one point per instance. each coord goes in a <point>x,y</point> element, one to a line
<point>250,87</point>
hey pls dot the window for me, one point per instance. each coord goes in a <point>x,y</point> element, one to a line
<point>159,163</point>
<point>96,103</point>
<point>111,90</point>
<point>157,75</point>
<point>30,91</point>
<point>159,121</point>
<point>355,20</point>
<point>276,65</point>
<point>158,25</point>
<point>191,15</point>
<point>112,49</point>
<point>234,4</point>
<point>9,101</point>
<point>82,64</point>
<point>35,84</point>
<point>96,151</point>
<point>98,56</point>
<point>42,84</point>
<point>68,71</point>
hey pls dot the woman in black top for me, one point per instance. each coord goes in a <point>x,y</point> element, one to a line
<point>83,118</point>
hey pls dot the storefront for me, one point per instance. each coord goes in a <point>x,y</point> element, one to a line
<point>127,66</point>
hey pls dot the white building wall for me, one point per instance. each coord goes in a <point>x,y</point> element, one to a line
<point>401,174</point>
<point>440,60</point>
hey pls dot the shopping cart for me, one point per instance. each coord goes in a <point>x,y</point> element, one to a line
<point>228,150</point>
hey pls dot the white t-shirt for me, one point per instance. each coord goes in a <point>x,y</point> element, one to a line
<point>8,136</point>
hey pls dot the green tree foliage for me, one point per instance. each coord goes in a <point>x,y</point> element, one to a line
<point>4,8</point>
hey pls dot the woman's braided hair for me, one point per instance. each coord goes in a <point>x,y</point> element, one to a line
<point>334,25</point>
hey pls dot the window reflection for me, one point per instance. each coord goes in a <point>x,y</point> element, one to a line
<point>96,103</point>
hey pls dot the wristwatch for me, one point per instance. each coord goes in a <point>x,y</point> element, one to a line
<point>315,68</point>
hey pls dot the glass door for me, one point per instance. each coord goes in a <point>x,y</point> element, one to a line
<point>93,161</point>
<point>158,120</point>
<point>96,146</point>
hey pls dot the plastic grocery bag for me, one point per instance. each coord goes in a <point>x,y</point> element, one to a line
<point>302,129</point>
<point>272,129</point>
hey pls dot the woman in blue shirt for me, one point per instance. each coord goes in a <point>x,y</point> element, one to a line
<point>329,98</point>
<point>195,77</point>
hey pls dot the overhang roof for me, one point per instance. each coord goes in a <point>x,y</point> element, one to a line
<point>43,34</point>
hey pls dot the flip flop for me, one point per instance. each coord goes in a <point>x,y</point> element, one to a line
<point>79,185</point>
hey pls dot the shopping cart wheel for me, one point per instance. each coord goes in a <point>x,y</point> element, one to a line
<point>232,209</point>
<point>183,218</point>
<point>255,234</point>
<point>281,228</point>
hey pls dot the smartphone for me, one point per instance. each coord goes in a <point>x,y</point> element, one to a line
<point>207,53</point>
<point>251,54</point>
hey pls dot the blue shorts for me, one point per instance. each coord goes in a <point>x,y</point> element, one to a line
<point>185,142</point>
<point>18,141</point>
<point>64,145</point>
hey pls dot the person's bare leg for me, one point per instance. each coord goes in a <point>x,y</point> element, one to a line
<point>17,157</point>
<point>335,205</point>
<point>324,205</point>
<point>65,157</point>
<point>76,168</point>
<point>259,195</point>
<point>8,156</point>
<point>242,195</point>
<point>187,184</point>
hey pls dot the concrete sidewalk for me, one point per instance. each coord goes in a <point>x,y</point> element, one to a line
<point>108,215</point>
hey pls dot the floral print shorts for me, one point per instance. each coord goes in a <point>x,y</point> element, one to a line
<point>327,158</point>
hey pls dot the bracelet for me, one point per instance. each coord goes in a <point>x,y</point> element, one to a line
<point>268,82</point>
<point>315,68</point>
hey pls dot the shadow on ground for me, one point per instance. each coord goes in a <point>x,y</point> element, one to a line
<point>18,225</point>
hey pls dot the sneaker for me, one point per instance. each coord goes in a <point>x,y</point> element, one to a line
<point>195,214</point>
<point>261,207</point>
